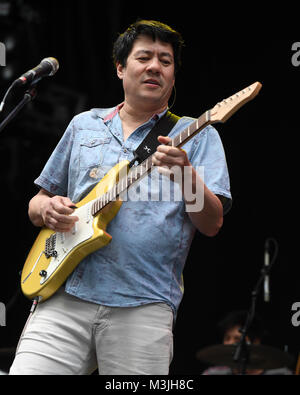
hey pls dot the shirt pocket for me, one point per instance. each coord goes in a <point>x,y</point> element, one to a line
<point>92,151</point>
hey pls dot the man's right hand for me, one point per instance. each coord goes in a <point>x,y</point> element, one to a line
<point>54,212</point>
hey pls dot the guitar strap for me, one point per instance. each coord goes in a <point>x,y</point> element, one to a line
<point>150,143</point>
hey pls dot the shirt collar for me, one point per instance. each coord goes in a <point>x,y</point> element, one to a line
<point>107,114</point>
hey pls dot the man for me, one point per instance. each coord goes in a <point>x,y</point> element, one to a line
<point>118,307</point>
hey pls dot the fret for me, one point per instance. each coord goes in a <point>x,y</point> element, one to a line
<point>131,177</point>
<point>187,133</point>
<point>176,141</point>
<point>207,116</point>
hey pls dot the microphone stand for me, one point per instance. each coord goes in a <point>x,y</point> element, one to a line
<point>241,353</point>
<point>29,95</point>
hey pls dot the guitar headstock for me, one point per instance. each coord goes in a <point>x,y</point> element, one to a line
<point>223,110</point>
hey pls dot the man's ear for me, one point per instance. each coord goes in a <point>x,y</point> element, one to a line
<point>120,70</point>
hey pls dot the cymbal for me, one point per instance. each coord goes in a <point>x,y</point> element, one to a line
<point>260,356</point>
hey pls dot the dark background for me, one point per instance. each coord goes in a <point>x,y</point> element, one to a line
<point>226,50</point>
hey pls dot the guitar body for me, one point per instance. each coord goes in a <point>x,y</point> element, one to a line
<point>55,255</point>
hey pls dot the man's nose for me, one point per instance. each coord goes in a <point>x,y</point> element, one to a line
<point>154,65</point>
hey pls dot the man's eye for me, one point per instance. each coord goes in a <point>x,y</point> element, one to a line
<point>144,59</point>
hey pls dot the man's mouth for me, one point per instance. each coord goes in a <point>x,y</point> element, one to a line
<point>152,82</point>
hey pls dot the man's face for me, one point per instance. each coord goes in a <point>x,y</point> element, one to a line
<point>233,336</point>
<point>148,76</point>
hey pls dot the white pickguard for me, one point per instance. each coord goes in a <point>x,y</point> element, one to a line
<point>66,242</point>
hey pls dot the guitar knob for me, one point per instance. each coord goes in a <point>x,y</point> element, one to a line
<point>43,273</point>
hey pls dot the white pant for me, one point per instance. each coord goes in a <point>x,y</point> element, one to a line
<point>66,335</point>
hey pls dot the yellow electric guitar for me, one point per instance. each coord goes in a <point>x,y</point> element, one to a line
<point>55,255</point>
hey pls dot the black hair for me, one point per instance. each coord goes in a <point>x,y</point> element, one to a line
<point>157,30</point>
<point>256,330</point>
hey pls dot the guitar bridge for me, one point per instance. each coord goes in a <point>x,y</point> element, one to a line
<point>50,245</point>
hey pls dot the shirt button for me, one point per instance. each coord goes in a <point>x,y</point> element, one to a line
<point>94,172</point>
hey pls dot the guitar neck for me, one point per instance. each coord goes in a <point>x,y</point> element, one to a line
<point>219,113</point>
<point>137,172</point>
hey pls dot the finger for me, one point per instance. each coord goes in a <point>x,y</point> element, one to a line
<point>64,219</point>
<point>62,204</point>
<point>58,226</point>
<point>161,159</point>
<point>52,224</point>
<point>68,202</point>
<point>61,208</point>
<point>164,140</point>
<point>172,151</point>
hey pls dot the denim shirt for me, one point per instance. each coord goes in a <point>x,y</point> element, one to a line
<point>150,237</point>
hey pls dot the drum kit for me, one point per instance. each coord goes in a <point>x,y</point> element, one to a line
<point>243,356</point>
<point>258,357</point>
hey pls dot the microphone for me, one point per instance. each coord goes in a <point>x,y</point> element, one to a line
<point>266,267</point>
<point>47,67</point>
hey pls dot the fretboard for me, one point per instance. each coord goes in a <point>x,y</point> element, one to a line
<point>138,172</point>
